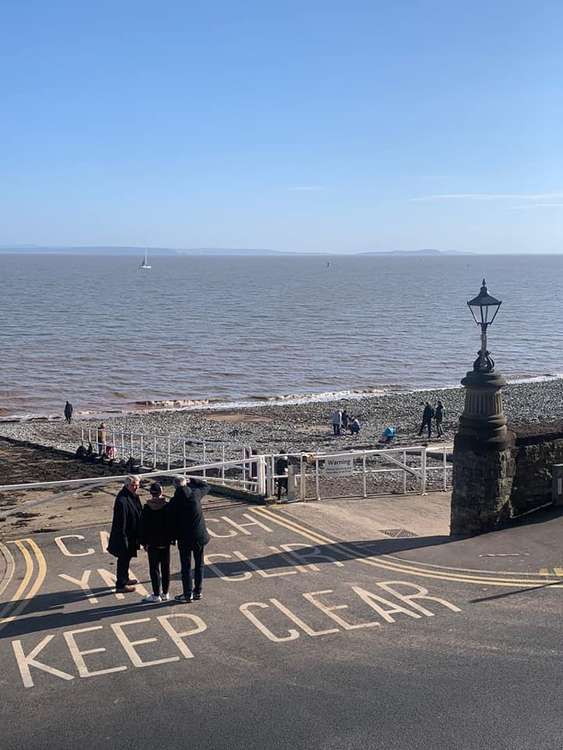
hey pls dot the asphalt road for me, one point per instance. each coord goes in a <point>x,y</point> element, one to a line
<point>300,641</point>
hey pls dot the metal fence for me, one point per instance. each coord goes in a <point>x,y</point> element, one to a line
<point>151,451</point>
<point>305,477</point>
<point>368,473</point>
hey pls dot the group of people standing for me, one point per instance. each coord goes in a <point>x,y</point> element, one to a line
<point>156,526</point>
<point>341,420</point>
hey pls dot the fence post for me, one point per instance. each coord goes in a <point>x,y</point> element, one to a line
<point>204,473</point>
<point>184,451</point>
<point>261,471</point>
<point>404,473</point>
<point>302,482</point>
<point>317,478</point>
<point>168,453</point>
<point>445,465</point>
<point>223,460</point>
<point>89,434</point>
<point>142,450</point>
<point>423,471</point>
<point>82,436</point>
<point>364,473</point>
<point>154,461</point>
<point>270,477</point>
<point>113,440</point>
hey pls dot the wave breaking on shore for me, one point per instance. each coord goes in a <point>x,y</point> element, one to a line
<point>256,400</point>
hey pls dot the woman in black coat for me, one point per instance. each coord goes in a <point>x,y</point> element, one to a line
<point>125,530</point>
<point>190,531</point>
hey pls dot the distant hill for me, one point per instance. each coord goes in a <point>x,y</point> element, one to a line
<point>160,251</point>
<point>125,250</point>
<point>426,251</point>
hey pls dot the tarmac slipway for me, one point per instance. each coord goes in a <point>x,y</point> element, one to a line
<point>356,624</point>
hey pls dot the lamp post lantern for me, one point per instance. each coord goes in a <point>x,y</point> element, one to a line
<point>484,308</point>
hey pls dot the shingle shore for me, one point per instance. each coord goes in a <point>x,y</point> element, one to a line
<point>303,427</point>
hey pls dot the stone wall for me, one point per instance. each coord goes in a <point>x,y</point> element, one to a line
<point>536,449</point>
<point>490,486</point>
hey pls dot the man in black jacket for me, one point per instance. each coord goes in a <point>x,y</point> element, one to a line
<point>189,530</point>
<point>124,535</point>
<point>68,412</point>
<point>427,415</point>
<point>155,537</point>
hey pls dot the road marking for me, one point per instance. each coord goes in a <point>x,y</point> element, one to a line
<point>6,615</point>
<point>10,606</point>
<point>42,569</point>
<point>60,541</point>
<point>547,572</point>
<point>10,568</point>
<point>78,655</point>
<point>387,563</point>
<point>402,604</point>
<point>25,662</point>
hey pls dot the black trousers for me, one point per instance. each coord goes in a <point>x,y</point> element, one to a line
<point>439,428</point>
<point>186,553</point>
<point>336,428</point>
<point>159,566</point>
<point>426,423</point>
<point>282,484</point>
<point>122,573</point>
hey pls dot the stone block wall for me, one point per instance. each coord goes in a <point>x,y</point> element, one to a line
<point>490,486</point>
<point>536,449</point>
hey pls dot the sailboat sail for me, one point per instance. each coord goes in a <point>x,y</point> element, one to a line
<point>145,264</point>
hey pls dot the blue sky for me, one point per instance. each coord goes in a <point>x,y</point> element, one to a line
<point>317,126</point>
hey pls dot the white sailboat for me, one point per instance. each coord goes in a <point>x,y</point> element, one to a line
<point>145,266</point>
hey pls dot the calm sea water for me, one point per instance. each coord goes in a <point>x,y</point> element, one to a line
<point>104,335</point>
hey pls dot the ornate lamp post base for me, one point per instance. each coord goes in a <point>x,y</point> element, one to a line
<point>482,458</point>
<point>483,422</point>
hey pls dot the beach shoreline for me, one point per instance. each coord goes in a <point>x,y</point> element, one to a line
<point>304,426</point>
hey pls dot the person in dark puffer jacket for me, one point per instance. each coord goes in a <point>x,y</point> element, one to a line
<point>156,536</point>
<point>190,531</point>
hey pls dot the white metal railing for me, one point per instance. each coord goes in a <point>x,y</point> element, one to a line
<point>364,473</point>
<point>248,474</point>
<point>154,450</point>
<point>308,476</point>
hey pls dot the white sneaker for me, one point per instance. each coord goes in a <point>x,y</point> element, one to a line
<point>152,599</point>
<point>165,597</point>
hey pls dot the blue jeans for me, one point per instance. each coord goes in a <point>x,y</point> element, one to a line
<point>186,553</point>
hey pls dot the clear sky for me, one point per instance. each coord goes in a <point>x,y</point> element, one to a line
<point>309,125</point>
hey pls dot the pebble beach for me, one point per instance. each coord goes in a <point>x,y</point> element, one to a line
<point>304,426</point>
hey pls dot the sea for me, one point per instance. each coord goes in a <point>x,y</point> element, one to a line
<point>220,331</point>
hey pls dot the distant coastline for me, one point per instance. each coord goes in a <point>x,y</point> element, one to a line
<point>207,251</point>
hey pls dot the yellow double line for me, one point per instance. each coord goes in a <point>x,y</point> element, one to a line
<point>391,563</point>
<point>31,554</point>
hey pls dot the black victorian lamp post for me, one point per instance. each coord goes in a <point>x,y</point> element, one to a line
<point>484,308</point>
<point>482,453</point>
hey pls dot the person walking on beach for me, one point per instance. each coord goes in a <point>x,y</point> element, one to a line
<point>439,417</point>
<point>281,468</point>
<point>427,415</point>
<point>336,420</point>
<point>345,420</point>
<point>155,536</point>
<point>68,412</point>
<point>190,531</point>
<point>101,439</point>
<point>125,531</point>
